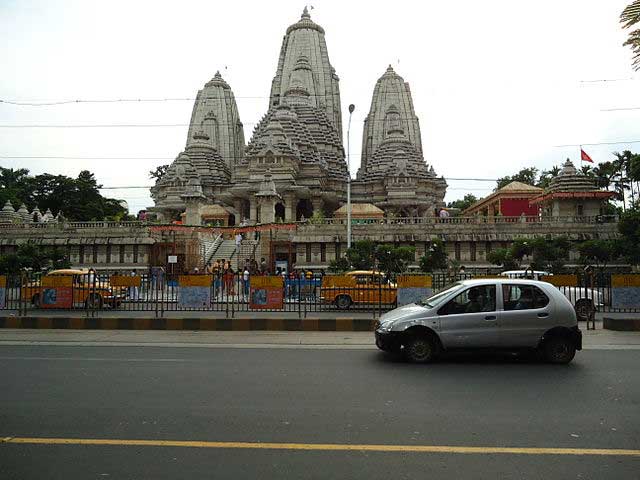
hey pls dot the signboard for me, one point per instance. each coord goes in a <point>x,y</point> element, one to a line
<point>125,281</point>
<point>57,291</point>
<point>266,293</point>
<point>625,291</point>
<point>194,291</point>
<point>172,259</point>
<point>412,288</point>
<point>561,280</point>
<point>3,290</point>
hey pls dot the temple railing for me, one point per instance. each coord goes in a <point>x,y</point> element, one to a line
<point>476,220</point>
<point>597,219</point>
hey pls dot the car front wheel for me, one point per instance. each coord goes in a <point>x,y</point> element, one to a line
<point>420,349</point>
<point>559,350</point>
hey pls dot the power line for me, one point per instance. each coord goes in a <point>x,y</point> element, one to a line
<point>50,103</point>
<point>592,144</point>
<point>619,109</point>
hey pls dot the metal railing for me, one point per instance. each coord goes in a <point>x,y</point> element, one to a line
<point>232,292</point>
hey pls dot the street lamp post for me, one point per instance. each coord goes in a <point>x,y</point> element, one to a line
<point>352,107</point>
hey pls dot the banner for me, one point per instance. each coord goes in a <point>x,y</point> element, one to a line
<point>124,281</point>
<point>561,280</point>
<point>3,291</point>
<point>625,291</point>
<point>56,291</point>
<point>194,291</point>
<point>412,288</point>
<point>266,293</point>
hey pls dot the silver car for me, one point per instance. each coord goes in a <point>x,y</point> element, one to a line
<point>505,313</point>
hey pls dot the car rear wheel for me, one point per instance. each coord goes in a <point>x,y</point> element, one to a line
<point>420,349</point>
<point>559,350</point>
<point>343,302</point>
<point>584,308</point>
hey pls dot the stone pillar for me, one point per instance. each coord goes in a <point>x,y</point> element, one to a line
<point>192,211</point>
<point>290,208</point>
<point>253,210</point>
<point>317,203</point>
<point>237,204</point>
<point>267,210</point>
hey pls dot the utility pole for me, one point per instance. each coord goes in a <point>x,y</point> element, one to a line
<point>352,107</point>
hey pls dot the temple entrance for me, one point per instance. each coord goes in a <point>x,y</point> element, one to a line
<point>279,212</point>
<point>232,219</point>
<point>304,209</point>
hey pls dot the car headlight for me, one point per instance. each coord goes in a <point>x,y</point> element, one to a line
<point>385,327</point>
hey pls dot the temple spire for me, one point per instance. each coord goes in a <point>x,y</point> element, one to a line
<point>305,13</point>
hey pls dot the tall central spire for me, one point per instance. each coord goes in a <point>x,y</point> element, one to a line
<point>304,62</point>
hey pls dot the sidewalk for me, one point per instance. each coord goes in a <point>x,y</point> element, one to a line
<point>256,321</point>
<point>592,339</point>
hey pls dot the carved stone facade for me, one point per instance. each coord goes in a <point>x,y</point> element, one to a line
<point>298,145</point>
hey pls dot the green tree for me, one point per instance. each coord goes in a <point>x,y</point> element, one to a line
<point>79,199</point>
<point>15,186</point>
<point>159,172</point>
<point>393,260</point>
<point>339,265</point>
<point>629,17</point>
<point>435,257</point>
<point>468,200</point>
<point>361,255</point>
<point>547,175</point>
<point>526,175</point>
<point>598,252</point>
<point>629,228</point>
<point>35,257</point>
<point>502,257</point>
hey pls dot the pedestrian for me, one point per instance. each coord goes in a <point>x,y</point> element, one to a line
<point>208,269</point>
<point>228,280</point>
<point>263,266</point>
<point>245,281</point>
<point>134,294</point>
<point>238,242</point>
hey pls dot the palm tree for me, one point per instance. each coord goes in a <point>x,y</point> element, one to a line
<point>631,16</point>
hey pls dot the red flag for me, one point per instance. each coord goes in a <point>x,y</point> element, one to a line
<point>584,156</point>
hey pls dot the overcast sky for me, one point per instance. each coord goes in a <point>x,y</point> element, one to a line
<point>497,85</point>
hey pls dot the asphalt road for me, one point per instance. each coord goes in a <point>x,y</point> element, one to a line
<point>245,397</point>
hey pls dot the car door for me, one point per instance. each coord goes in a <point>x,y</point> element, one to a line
<point>526,309</point>
<point>470,319</point>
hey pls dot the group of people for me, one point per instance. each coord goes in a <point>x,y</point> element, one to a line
<point>224,276</point>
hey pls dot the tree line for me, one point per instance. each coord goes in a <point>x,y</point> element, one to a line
<point>78,199</point>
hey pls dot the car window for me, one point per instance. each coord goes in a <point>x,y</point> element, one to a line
<point>523,297</point>
<point>476,299</point>
<point>363,279</point>
<point>438,298</point>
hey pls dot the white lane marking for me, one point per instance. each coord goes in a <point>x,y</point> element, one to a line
<point>296,346</point>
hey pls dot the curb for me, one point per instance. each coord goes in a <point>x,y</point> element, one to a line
<point>208,324</point>
<point>621,324</point>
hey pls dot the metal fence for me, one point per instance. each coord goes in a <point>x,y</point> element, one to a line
<point>236,292</point>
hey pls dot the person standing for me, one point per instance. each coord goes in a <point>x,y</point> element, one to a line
<point>134,293</point>
<point>245,281</point>
<point>238,243</point>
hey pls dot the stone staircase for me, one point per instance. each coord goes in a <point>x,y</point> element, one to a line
<point>208,248</point>
<point>226,250</point>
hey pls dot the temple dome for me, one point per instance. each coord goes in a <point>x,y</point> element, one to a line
<point>215,114</point>
<point>304,62</point>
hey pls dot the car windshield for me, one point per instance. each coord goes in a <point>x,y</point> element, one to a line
<point>435,300</point>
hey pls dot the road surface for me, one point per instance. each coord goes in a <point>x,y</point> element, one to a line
<point>80,412</point>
